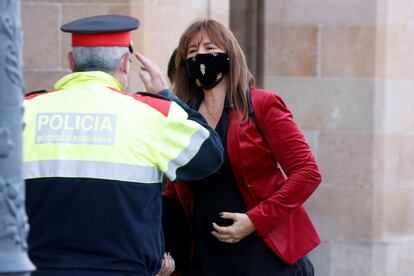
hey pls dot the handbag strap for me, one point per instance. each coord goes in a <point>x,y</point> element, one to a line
<point>252,116</point>
<point>259,130</point>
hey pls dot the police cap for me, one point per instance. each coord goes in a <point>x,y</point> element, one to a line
<point>102,31</point>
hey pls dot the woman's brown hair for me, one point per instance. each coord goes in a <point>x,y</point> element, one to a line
<point>239,76</point>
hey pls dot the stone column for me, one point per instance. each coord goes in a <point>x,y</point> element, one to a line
<point>13,219</point>
<point>247,24</point>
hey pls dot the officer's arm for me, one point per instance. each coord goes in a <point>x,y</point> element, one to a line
<point>189,148</point>
<point>209,156</point>
<point>202,152</point>
<point>154,83</point>
<point>192,114</point>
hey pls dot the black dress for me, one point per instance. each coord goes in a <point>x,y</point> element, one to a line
<point>250,256</point>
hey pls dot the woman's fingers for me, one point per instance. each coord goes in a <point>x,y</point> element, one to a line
<point>225,238</point>
<point>224,234</point>
<point>220,236</point>
<point>241,227</point>
<point>221,229</point>
<point>228,215</point>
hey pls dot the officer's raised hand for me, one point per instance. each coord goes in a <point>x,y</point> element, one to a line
<point>151,74</point>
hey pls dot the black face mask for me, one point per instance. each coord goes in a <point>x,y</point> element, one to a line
<point>207,70</point>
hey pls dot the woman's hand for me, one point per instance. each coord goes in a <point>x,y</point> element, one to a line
<point>242,226</point>
<point>168,265</point>
<point>151,74</point>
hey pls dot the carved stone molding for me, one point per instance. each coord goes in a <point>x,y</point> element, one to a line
<point>14,226</point>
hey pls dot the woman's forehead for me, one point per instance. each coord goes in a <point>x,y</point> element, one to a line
<point>199,38</point>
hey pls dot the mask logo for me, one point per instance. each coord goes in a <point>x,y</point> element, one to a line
<point>218,65</point>
<point>202,69</point>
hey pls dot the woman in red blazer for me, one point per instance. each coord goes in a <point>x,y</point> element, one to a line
<point>248,218</point>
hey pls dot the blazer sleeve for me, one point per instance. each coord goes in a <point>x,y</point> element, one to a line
<point>170,191</point>
<point>288,146</point>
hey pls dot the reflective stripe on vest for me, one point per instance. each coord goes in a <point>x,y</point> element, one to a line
<point>187,153</point>
<point>91,169</point>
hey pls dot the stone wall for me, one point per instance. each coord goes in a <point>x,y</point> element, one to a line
<point>346,70</point>
<point>162,23</point>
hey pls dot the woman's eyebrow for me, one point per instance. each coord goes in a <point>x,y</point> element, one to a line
<point>211,44</point>
<point>208,43</point>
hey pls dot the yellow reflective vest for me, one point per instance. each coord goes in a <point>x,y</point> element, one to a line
<point>94,158</point>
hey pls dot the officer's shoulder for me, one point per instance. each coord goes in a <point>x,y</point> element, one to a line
<point>35,93</point>
<point>151,95</point>
<point>158,102</point>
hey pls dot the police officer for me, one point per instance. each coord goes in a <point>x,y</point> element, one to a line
<point>94,158</point>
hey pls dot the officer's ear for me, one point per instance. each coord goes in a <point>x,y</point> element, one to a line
<point>71,61</point>
<point>124,68</point>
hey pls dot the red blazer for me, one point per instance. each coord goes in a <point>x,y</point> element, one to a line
<point>275,203</point>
